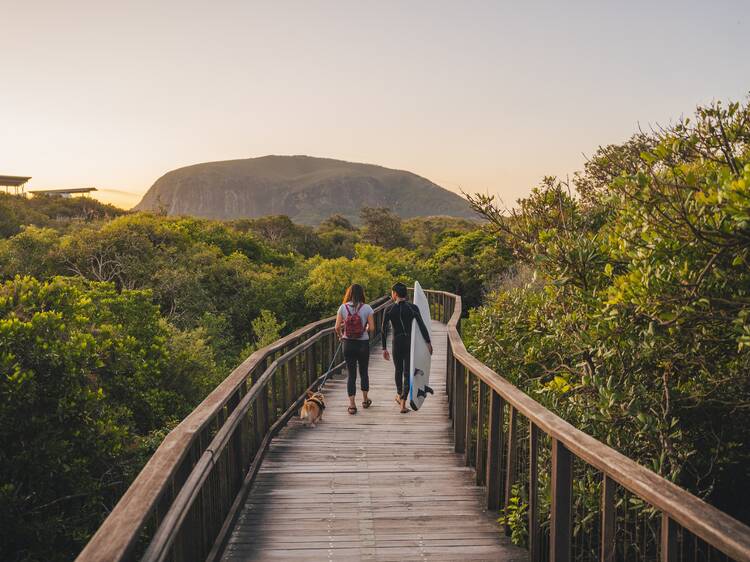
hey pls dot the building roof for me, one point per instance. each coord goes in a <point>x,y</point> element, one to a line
<point>63,191</point>
<point>13,181</point>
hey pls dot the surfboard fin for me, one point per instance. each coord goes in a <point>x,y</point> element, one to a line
<point>424,391</point>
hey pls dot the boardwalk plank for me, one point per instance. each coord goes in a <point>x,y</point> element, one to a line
<point>379,485</point>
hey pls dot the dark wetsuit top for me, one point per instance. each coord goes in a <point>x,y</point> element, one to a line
<point>400,316</point>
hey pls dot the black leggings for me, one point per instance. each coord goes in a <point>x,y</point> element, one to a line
<point>357,351</point>
<point>401,351</point>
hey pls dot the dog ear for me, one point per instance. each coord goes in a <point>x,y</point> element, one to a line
<point>310,394</point>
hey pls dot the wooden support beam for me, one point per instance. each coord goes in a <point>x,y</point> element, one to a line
<point>535,553</point>
<point>561,511</point>
<point>494,450</point>
<point>669,545</point>
<point>292,379</point>
<point>481,447</point>
<point>608,520</point>
<point>510,459</point>
<point>459,423</point>
<point>469,417</point>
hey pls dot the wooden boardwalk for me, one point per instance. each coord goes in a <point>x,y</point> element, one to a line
<point>378,485</point>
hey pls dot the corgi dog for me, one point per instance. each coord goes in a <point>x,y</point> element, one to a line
<point>312,409</point>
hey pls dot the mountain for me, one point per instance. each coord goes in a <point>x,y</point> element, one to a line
<point>306,189</point>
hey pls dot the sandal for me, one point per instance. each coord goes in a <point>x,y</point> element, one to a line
<point>352,410</point>
<point>366,403</point>
<point>404,410</point>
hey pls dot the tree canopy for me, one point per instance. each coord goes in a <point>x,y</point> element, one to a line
<point>636,327</point>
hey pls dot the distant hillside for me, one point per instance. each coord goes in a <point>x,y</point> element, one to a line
<point>306,189</point>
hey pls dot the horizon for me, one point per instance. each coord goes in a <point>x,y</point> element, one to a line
<point>488,98</point>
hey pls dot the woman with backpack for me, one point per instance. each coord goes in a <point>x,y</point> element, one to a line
<point>354,324</point>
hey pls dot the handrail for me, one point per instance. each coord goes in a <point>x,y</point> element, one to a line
<point>150,496</point>
<point>194,485</point>
<point>165,535</point>
<point>716,528</point>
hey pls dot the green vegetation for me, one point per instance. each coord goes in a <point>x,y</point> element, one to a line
<point>635,325</point>
<point>114,326</point>
<point>58,212</point>
<point>624,307</point>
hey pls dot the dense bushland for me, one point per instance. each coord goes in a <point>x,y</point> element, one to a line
<point>636,325</point>
<point>114,326</point>
<point>619,301</point>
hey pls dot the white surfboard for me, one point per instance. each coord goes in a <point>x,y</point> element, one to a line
<point>419,370</point>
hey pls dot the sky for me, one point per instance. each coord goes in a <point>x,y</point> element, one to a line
<point>476,96</point>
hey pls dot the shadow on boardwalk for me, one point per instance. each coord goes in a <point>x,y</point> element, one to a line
<point>378,485</point>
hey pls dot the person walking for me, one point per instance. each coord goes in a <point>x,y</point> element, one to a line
<point>354,325</point>
<point>400,316</point>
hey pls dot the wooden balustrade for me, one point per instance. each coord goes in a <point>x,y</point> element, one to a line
<point>181,505</point>
<point>580,499</point>
<point>518,447</point>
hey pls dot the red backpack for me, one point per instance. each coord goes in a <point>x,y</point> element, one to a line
<point>353,328</point>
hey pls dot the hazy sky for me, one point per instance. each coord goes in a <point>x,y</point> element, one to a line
<point>484,96</point>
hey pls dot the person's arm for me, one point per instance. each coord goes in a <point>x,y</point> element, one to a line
<point>339,324</point>
<point>384,327</point>
<point>371,324</point>
<point>384,332</point>
<point>422,327</point>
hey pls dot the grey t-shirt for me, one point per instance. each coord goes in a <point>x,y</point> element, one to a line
<point>365,311</point>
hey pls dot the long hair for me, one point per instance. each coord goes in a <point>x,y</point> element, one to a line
<point>356,294</point>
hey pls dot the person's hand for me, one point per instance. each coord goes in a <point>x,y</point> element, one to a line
<point>429,348</point>
<point>386,355</point>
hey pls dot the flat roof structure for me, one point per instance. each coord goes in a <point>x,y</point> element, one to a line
<point>15,182</point>
<point>62,192</point>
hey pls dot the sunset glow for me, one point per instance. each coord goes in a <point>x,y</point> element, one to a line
<point>479,96</point>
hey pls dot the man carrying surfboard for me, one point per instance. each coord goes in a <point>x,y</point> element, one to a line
<point>400,316</point>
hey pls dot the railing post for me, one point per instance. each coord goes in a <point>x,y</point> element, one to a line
<point>469,417</point>
<point>323,355</point>
<point>291,385</point>
<point>449,379</point>
<point>494,450</point>
<point>282,379</point>
<point>534,546</point>
<point>261,407</point>
<point>510,460</point>
<point>308,367</point>
<point>272,390</point>
<point>459,423</point>
<point>562,492</point>
<point>332,340</point>
<point>669,549</point>
<point>262,402</point>
<point>608,520</point>
<point>481,405</point>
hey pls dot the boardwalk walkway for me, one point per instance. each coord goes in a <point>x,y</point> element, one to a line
<point>375,486</point>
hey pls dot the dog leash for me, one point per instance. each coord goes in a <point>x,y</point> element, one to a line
<point>333,359</point>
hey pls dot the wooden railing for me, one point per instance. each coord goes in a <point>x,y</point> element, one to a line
<point>184,501</point>
<point>574,498</point>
